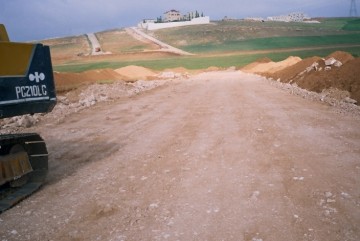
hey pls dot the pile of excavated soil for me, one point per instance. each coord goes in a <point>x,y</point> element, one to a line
<point>343,57</point>
<point>71,81</point>
<point>212,68</point>
<point>312,74</point>
<point>133,72</point>
<point>68,81</point>
<point>345,78</point>
<point>247,68</point>
<point>290,72</point>
<point>270,67</point>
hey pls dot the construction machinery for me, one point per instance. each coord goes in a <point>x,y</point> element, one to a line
<point>26,87</point>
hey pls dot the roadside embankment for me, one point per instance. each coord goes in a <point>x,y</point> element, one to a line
<point>336,75</point>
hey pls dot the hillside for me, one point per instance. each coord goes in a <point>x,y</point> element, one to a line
<point>221,44</point>
<point>336,75</point>
<point>245,35</point>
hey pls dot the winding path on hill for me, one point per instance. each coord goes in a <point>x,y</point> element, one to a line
<point>221,156</point>
<point>140,35</point>
<point>96,48</point>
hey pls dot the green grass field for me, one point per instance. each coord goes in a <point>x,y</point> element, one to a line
<point>202,62</point>
<point>275,43</point>
<point>352,25</point>
<point>225,44</point>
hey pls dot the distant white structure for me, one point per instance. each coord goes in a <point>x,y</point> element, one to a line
<point>174,18</point>
<point>255,19</point>
<point>172,15</point>
<point>291,17</point>
<point>155,26</point>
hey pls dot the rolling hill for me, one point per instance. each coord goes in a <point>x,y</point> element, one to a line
<point>222,44</point>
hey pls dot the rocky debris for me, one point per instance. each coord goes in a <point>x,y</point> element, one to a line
<point>88,97</point>
<point>338,71</point>
<point>172,75</point>
<point>332,96</point>
<point>314,66</point>
<point>341,56</point>
<point>142,85</point>
<point>24,121</point>
<point>333,62</point>
<point>88,101</point>
<point>341,95</point>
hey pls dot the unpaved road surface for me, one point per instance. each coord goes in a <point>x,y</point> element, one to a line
<point>95,45</point>
<point>221,156</point>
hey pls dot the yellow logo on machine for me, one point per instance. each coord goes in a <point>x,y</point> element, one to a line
<point>37,77</point>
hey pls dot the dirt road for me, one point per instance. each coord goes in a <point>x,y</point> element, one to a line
<point>140,35</point>
<point>221,156</point>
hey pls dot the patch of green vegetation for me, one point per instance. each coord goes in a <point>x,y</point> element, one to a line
<point>352,25</point>
<point>332,24</point>
<point>133,49</point>
<point>202,62</point>
<point>68,87</point>
<point>224,44</point>
<point>223,32</point>
<point>81,67</point>
<point>275,43</point>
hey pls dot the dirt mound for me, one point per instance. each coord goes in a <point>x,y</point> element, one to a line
<point>68,81</point>
<point>343,57</point>
<point>255,63</point>
<point>345,77</point>
<point>335,75</point>
<point>270,67</point>
<point>290,72</point>
<point>133,72</point>
<point>212,68</point>
<point>252,65</point>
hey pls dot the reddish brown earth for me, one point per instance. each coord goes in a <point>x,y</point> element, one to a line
<point>343,78</point>
<point>220,156</point>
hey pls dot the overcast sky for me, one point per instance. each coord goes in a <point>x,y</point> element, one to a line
<point>39,19</point>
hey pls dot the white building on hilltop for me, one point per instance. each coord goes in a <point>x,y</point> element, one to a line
<point>291,17</point>
<point>172,16</point>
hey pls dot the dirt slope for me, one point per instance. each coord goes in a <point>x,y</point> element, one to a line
<point>312,74</point>
<point>221,156</point>
<point>68,81</point>
<point>133,72</point>
<point>270,67</point>
<point>347,78</point>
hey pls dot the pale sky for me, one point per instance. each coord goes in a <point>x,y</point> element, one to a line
<point>40,19</point>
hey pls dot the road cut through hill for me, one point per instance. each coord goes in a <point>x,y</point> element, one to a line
<point>220,156</point>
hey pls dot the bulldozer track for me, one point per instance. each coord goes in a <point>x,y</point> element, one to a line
<point>35,147</point>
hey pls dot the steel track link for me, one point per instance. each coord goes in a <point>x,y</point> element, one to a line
<point>35,147</point>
